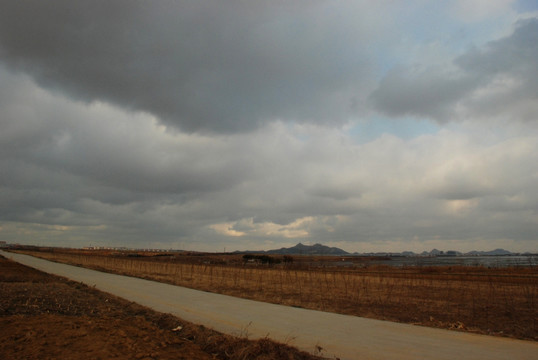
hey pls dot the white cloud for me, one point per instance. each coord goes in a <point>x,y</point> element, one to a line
<point>296,229</point>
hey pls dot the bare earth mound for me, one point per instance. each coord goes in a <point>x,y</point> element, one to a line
<point>43,317</point>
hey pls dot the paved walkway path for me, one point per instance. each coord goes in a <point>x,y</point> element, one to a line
<point>342,336</point>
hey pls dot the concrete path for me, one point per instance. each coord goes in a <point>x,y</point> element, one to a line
<point>340,336</point>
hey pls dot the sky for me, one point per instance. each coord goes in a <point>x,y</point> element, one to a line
<point>234,125</point>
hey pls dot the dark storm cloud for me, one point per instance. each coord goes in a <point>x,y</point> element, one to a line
<point>516,54</point>
<point>499,78</point>
<point>107,147</point>
<point>424,93</point>
<point>198,65</point>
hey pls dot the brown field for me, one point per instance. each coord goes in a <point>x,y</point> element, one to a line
<point>499,301</point>
<point>47,317</point>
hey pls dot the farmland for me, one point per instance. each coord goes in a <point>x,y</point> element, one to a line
<point>497,301</point>
<point>48,317</point>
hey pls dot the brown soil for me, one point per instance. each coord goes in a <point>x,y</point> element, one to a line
<point>47,317</point>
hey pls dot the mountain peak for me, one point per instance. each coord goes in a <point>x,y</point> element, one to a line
<point>316,249</point>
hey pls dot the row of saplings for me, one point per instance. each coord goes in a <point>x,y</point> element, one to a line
<point>266,259</point>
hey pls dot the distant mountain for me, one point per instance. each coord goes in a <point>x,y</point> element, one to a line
<point>301,249</point>
<point>319,249</point>
<point>496,252</point>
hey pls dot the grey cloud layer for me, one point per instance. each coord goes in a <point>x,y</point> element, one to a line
<point>107,146</point>
<point>161,123</point>
<point>91,172</point>
<point>197,65</point>
<point>498,79</point>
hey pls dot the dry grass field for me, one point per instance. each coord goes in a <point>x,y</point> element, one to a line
<point>499,301</point>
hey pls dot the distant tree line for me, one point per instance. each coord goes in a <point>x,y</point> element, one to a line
<point>266,259</point>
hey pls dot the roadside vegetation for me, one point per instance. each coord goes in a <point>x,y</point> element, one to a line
<point>497,301</point>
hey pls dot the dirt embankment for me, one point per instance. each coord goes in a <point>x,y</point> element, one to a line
<point>47,317</point>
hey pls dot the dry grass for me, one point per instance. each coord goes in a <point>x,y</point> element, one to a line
<point>490,301</point>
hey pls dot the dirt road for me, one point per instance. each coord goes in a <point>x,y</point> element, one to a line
<point>341,336</point>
